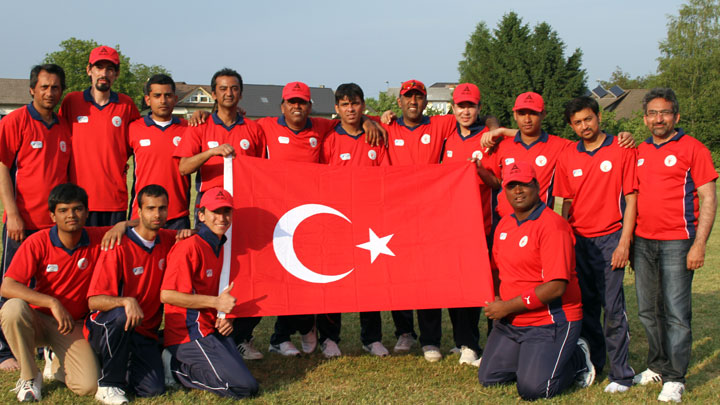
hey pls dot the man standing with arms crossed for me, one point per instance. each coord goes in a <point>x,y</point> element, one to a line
<point>597,181</point>
<point>99,119</point>
<point>673,226</point>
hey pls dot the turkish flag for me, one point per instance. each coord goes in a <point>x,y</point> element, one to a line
<point>309,238</point>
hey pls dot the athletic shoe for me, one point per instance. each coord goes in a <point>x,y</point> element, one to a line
<point>646,377</point>
<point>404,342</point>
<point>285,348</point>
<point>166,359</point>
<point>467,355</point>
<point>330,349</point>
<point>376,349</point>
<point>585,378</point>
<point>614,387</point>
<point>672,391</point>
<point>431,353</point>
<point>248,351</point>
<point>29,390</point>
<point>111,396</point>
<point>455,350</point>
<point>477,362</point>
<point>309,341</point>
<point>47,370</point>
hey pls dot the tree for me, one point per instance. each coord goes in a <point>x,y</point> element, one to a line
<point>384,102</point>
<point>73,57</point>
<point>623,79</point>
<point>514,59</point>
<point>690,65</point>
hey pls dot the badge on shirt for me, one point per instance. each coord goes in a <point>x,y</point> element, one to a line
<point>82,263</point>
<point>138,270</point>
<point>503,236</point>
<point>144,142</point>
<point>523,241</point>
<point>425,139</point>
<point>577,172</point>
<point>176,140</point>
<point>449,153</point>
<point>161,264</point>
<point>208,272</point>
<point>606,166</point>
<point>117,121</point>
<point>670,160</point>
<point>245,144</point>
<point>82,119</point>
<point>509,161</point>
<point>640,162</point>
<point>477,155</point>
<point>283,139</point>
<point>213,144</point>
<point>399,142</point>
<point>63,146</point>
<point>36,144</point>
<point>344,156</point>
<point>541,161</point>
<point>51,268</point>
<point>372,154</point>
<point>313,141</point>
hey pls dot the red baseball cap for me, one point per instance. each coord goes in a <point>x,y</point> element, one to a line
<point>522,172</point>
<point>466,92</point>
<point>216,198</point>
<point>104,53</point>
<point>413,84</point>
<point>296,90</point>
<point>529,101</point>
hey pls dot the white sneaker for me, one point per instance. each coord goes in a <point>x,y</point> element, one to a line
<point>614,387</point>
<point>248,351</point>
<point>585,378</point>
<point>431,353</point>
<point>376,349</point>
<point>455,350</point>
<point>111,396</point>
<point>404,343</point>
<point>285,348</point>
<point>672,391</point>
<point>29,390</point>
<point>477,362</point>
<point>47,370</point>
<point>330,349</point>
<point>309,341</point>
<point>166,359</point>
<point>646,377</point>
<point>467,355</point>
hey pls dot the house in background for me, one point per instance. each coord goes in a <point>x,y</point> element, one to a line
<point>624,103</point>
<point>14,93</point>
<point>439,96</point>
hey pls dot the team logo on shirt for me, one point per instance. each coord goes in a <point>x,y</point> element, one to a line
<point>51,268</point>
<point>449,153</point>
<point>509,161</point>
<point>313,141</point>
<point>213,144</point>
<point>117,121</point>
<point>523,241</point>
<point>503,236</point>
<point>372,154</point>
<point>63,146</point>
<point>208,272</point>
<point>399,142</point>
<point>577,172</point>
<point>606,166</point>
<point>82,119</point>
<point>640,162</point>
<point>161,264</point>
<point>138,270</point>
<point>144,142</point>
<point>176,140</point>
<point>283,139</point>
<point>82,263</point>
<point>36,144</point>
<point>477,155</point>
<point>541,161</point>
<point>245,144</point>
<point>425,139</point>
<point>670,160</point>
<point>344,156</point>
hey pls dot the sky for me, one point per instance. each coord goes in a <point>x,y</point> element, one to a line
<point>376,44</point>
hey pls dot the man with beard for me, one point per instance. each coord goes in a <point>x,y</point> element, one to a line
<point>99,119</point>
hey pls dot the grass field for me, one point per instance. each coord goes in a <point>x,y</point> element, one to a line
<point>358,377</point>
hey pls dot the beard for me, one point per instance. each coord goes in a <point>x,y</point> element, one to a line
<point>102,87</point>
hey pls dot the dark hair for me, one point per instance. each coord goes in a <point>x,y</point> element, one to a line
<point>225,72</point>
<point>578,104</point>
<point>151,190</point>
<point>159,78</point>
<point>51,68</point>
<point>665,93</point>
<point>65,194</point>
<point>349,90</point>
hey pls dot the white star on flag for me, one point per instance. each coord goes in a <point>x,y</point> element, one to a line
<point>377,246</point>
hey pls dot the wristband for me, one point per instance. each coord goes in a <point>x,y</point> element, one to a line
<point>530,300</point>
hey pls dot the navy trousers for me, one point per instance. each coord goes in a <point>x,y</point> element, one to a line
<point>465,327</point>
<point>329,326</point>
<point>429,323</point>
<point>287,325</point>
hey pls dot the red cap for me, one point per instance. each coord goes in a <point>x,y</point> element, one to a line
<point>522,172</point>
<point>104,53</point>
<point>413,85</point>
<point>529,101</point>
<point>216,198</point>
<point>466,92</point>
<point>296,90</point>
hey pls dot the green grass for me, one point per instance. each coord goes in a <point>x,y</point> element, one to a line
<point>359,378</point>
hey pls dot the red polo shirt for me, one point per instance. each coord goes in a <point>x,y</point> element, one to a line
<point>421,144</point>
<point>342,149</point>
<point>303,146</point>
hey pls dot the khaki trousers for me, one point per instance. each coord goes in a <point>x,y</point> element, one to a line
<point>25,329</point>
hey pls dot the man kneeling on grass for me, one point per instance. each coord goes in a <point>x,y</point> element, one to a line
<point>204,356</point>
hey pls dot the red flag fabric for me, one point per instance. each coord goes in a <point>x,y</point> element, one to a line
<point>309,238</point>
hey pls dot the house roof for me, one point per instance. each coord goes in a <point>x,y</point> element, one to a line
<point>626,105</point>
<point>15,91</point>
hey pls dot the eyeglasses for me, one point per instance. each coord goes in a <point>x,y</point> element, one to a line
<point>413,85</point>
<point>654,113</point>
